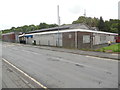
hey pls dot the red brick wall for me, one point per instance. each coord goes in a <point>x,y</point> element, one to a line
<point>9,37</point>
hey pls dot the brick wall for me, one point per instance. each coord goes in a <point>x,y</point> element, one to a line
<point>80,40</point>
<point>69,39</point>
<point>8,37</point>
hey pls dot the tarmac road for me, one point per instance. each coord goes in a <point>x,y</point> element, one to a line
<point>56,69</point>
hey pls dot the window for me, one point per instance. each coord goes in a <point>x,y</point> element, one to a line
<point>86,38</point>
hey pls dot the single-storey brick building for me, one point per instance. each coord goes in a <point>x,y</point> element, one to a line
<point>11,37</point>
<point>71,36</point>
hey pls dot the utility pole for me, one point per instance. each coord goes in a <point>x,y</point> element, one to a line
<point>58,24</point>
<point>85,13</point>
<point>84,16</point>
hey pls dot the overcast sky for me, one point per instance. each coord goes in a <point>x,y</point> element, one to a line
<point>26,12</point>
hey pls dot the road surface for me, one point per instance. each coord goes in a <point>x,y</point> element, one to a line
<point>56,69</point>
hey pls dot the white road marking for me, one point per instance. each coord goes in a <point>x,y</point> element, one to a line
<point>25,74</point>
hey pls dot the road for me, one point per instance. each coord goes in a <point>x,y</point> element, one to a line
<point>56,69</point>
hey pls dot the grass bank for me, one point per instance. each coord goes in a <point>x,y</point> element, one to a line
<point>111,48</point>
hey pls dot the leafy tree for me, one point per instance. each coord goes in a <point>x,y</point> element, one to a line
<point>92,22</point>
<point>119,27</point>
<point>27,28</point>
<point>43,25</point>
<point>112,25</point>
<point>101,24</point>
<point>53,25</point>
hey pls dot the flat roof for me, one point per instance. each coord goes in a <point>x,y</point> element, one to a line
<point>70,30</point>
<point>8,33</point>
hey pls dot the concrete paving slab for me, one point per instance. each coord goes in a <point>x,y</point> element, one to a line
<point>11,79</point>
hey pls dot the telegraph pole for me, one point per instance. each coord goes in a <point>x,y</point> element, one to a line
<point>84,12</point>
<point>58,24</point>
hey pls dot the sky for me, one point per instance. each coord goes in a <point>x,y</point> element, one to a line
<point>14,13</point>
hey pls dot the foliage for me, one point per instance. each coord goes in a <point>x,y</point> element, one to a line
<point>27,28</point>
<point>101,24</point>
<point>112,25</point>
<point>113,48</point>
<point>87,20</point>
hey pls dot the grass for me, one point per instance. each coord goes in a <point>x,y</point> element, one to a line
<point>111,48</point>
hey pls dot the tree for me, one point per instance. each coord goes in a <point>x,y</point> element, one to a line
<point>101,24</point>
<point>112,25</point>
<point>43,25</point>
<point>107,26</point>
<point>119,27</point>
<point>92,22</point>
<point>52,25</point>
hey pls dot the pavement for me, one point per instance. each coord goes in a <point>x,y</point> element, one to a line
<point>60,69</point>
<point>81,52</point>
<point>11,79</point>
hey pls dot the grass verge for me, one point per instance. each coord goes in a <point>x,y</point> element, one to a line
<point>111,48</point>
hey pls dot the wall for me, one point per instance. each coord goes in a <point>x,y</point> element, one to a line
<point>84,40</point>
<point>9,37</point>
<point>102,39</point>
<point>29,40</point>
<point>48,39</point>
<point>69,39</point>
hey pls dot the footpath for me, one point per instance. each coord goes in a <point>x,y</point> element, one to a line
<point>11,79</point>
